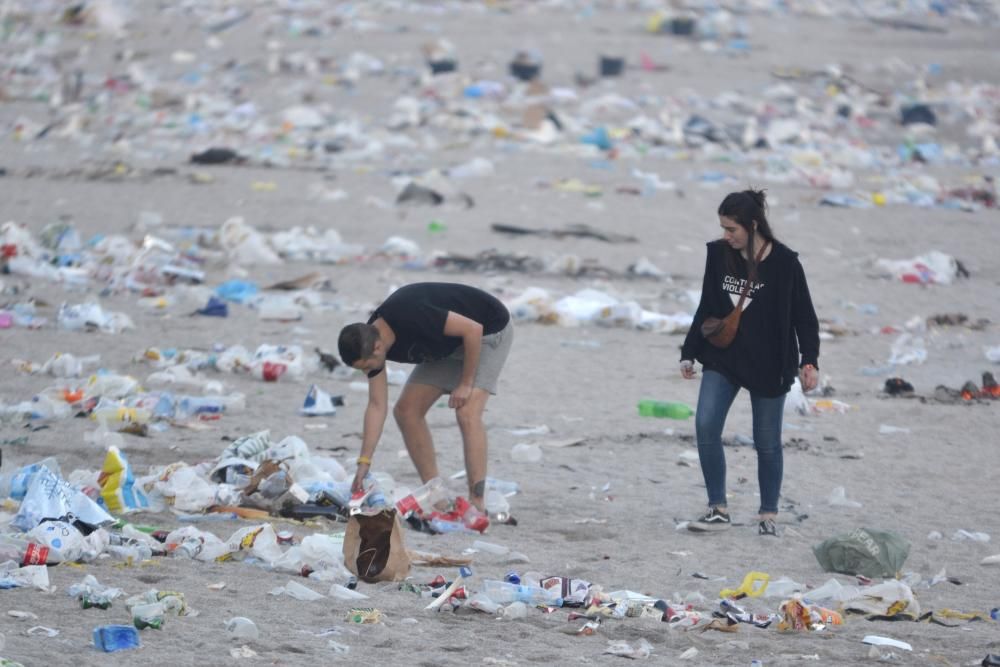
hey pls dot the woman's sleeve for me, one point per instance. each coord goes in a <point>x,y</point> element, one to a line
<point>693,341</point>
<point>804,318</point>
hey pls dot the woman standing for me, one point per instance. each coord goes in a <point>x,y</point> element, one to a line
<point>748,268</point>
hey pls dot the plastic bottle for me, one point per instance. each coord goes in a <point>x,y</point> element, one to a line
<point>497,506</point>
<point>504,592</point>
<point>110,412</point>
<point>135,553</point>
<point>43,407</point>
<point>490,548</point>
<point>371,498</point>
<point>111,638</point>
<point>110,385</point>
<point>423,498</point>
<point>444,526</point>
<point>503,486</point>
<point>668,409</point>
<point>188,406</point>
<point>148,615</point>
<point>12,548</point>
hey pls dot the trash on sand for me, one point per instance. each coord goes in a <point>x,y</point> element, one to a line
<point>873,553</point>
<point>626,650</point>
<point>838,498</point>
<point>877,640</point>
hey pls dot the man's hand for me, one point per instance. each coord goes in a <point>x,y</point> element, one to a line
<point>809,377</point>
<point>460,396</point>
<point>359,478</point>
<point>687,369</point>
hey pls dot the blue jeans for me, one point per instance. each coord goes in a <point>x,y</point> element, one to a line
<point>714,399</point>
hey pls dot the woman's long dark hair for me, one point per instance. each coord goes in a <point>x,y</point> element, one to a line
<point>744,208</point>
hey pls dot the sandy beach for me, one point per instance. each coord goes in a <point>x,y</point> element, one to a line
<point>609,510</point>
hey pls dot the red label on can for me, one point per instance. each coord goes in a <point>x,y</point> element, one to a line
<point>407,505</point>
<point>35,554</point>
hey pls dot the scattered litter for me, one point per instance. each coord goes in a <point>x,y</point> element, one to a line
<point>876,640</point>
<point>41,630</point>
<point>625,650</point>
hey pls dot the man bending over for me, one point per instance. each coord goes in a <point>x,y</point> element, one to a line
<point>458,336</point>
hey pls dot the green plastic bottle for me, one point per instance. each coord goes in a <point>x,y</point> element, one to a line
<point>664,409</point>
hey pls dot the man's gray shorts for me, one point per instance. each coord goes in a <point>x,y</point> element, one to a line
<point>447,373</point>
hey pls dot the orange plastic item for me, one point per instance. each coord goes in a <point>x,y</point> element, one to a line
<point>72,396</point>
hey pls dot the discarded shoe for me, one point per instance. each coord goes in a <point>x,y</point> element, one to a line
<point>898,387</point>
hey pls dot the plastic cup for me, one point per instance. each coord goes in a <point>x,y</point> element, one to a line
<point>242,628</point>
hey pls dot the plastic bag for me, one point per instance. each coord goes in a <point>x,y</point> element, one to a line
<point>51,497</point>
<point>258,541</point>
<point>64,542</point>
<point>244,244</point>
<point>191,492</point>
<point>873,553</point>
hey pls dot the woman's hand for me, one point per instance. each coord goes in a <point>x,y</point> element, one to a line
<point>358,485</point>
<point>809,377</point>
<point>687,369</point>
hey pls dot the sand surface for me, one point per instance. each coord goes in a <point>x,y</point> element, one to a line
<point>606,510</point>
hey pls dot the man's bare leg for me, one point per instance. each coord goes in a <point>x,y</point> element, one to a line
<point>411,417</point>
<point>470,422</point>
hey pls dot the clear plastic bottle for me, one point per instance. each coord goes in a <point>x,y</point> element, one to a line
<point>135,553</point>
<point>502,486</point>
<point>189,406</point>
<point>370,499</point>
<point>490,548</point>
<point>423,498</point>
<point>445,526</point>
<point>497,506</point>
<point>12,548</point>
<point>504,592</point>
<point>110,412</point>
<point>43,407</point>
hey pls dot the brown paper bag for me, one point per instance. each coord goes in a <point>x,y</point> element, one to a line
<point>374,548</point>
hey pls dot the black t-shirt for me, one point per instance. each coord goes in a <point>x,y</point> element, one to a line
<point>416,314</point>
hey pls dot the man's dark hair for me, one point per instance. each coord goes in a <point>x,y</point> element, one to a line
<point>356,342</point>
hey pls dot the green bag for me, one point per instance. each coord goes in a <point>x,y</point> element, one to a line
<point>873,553</point>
